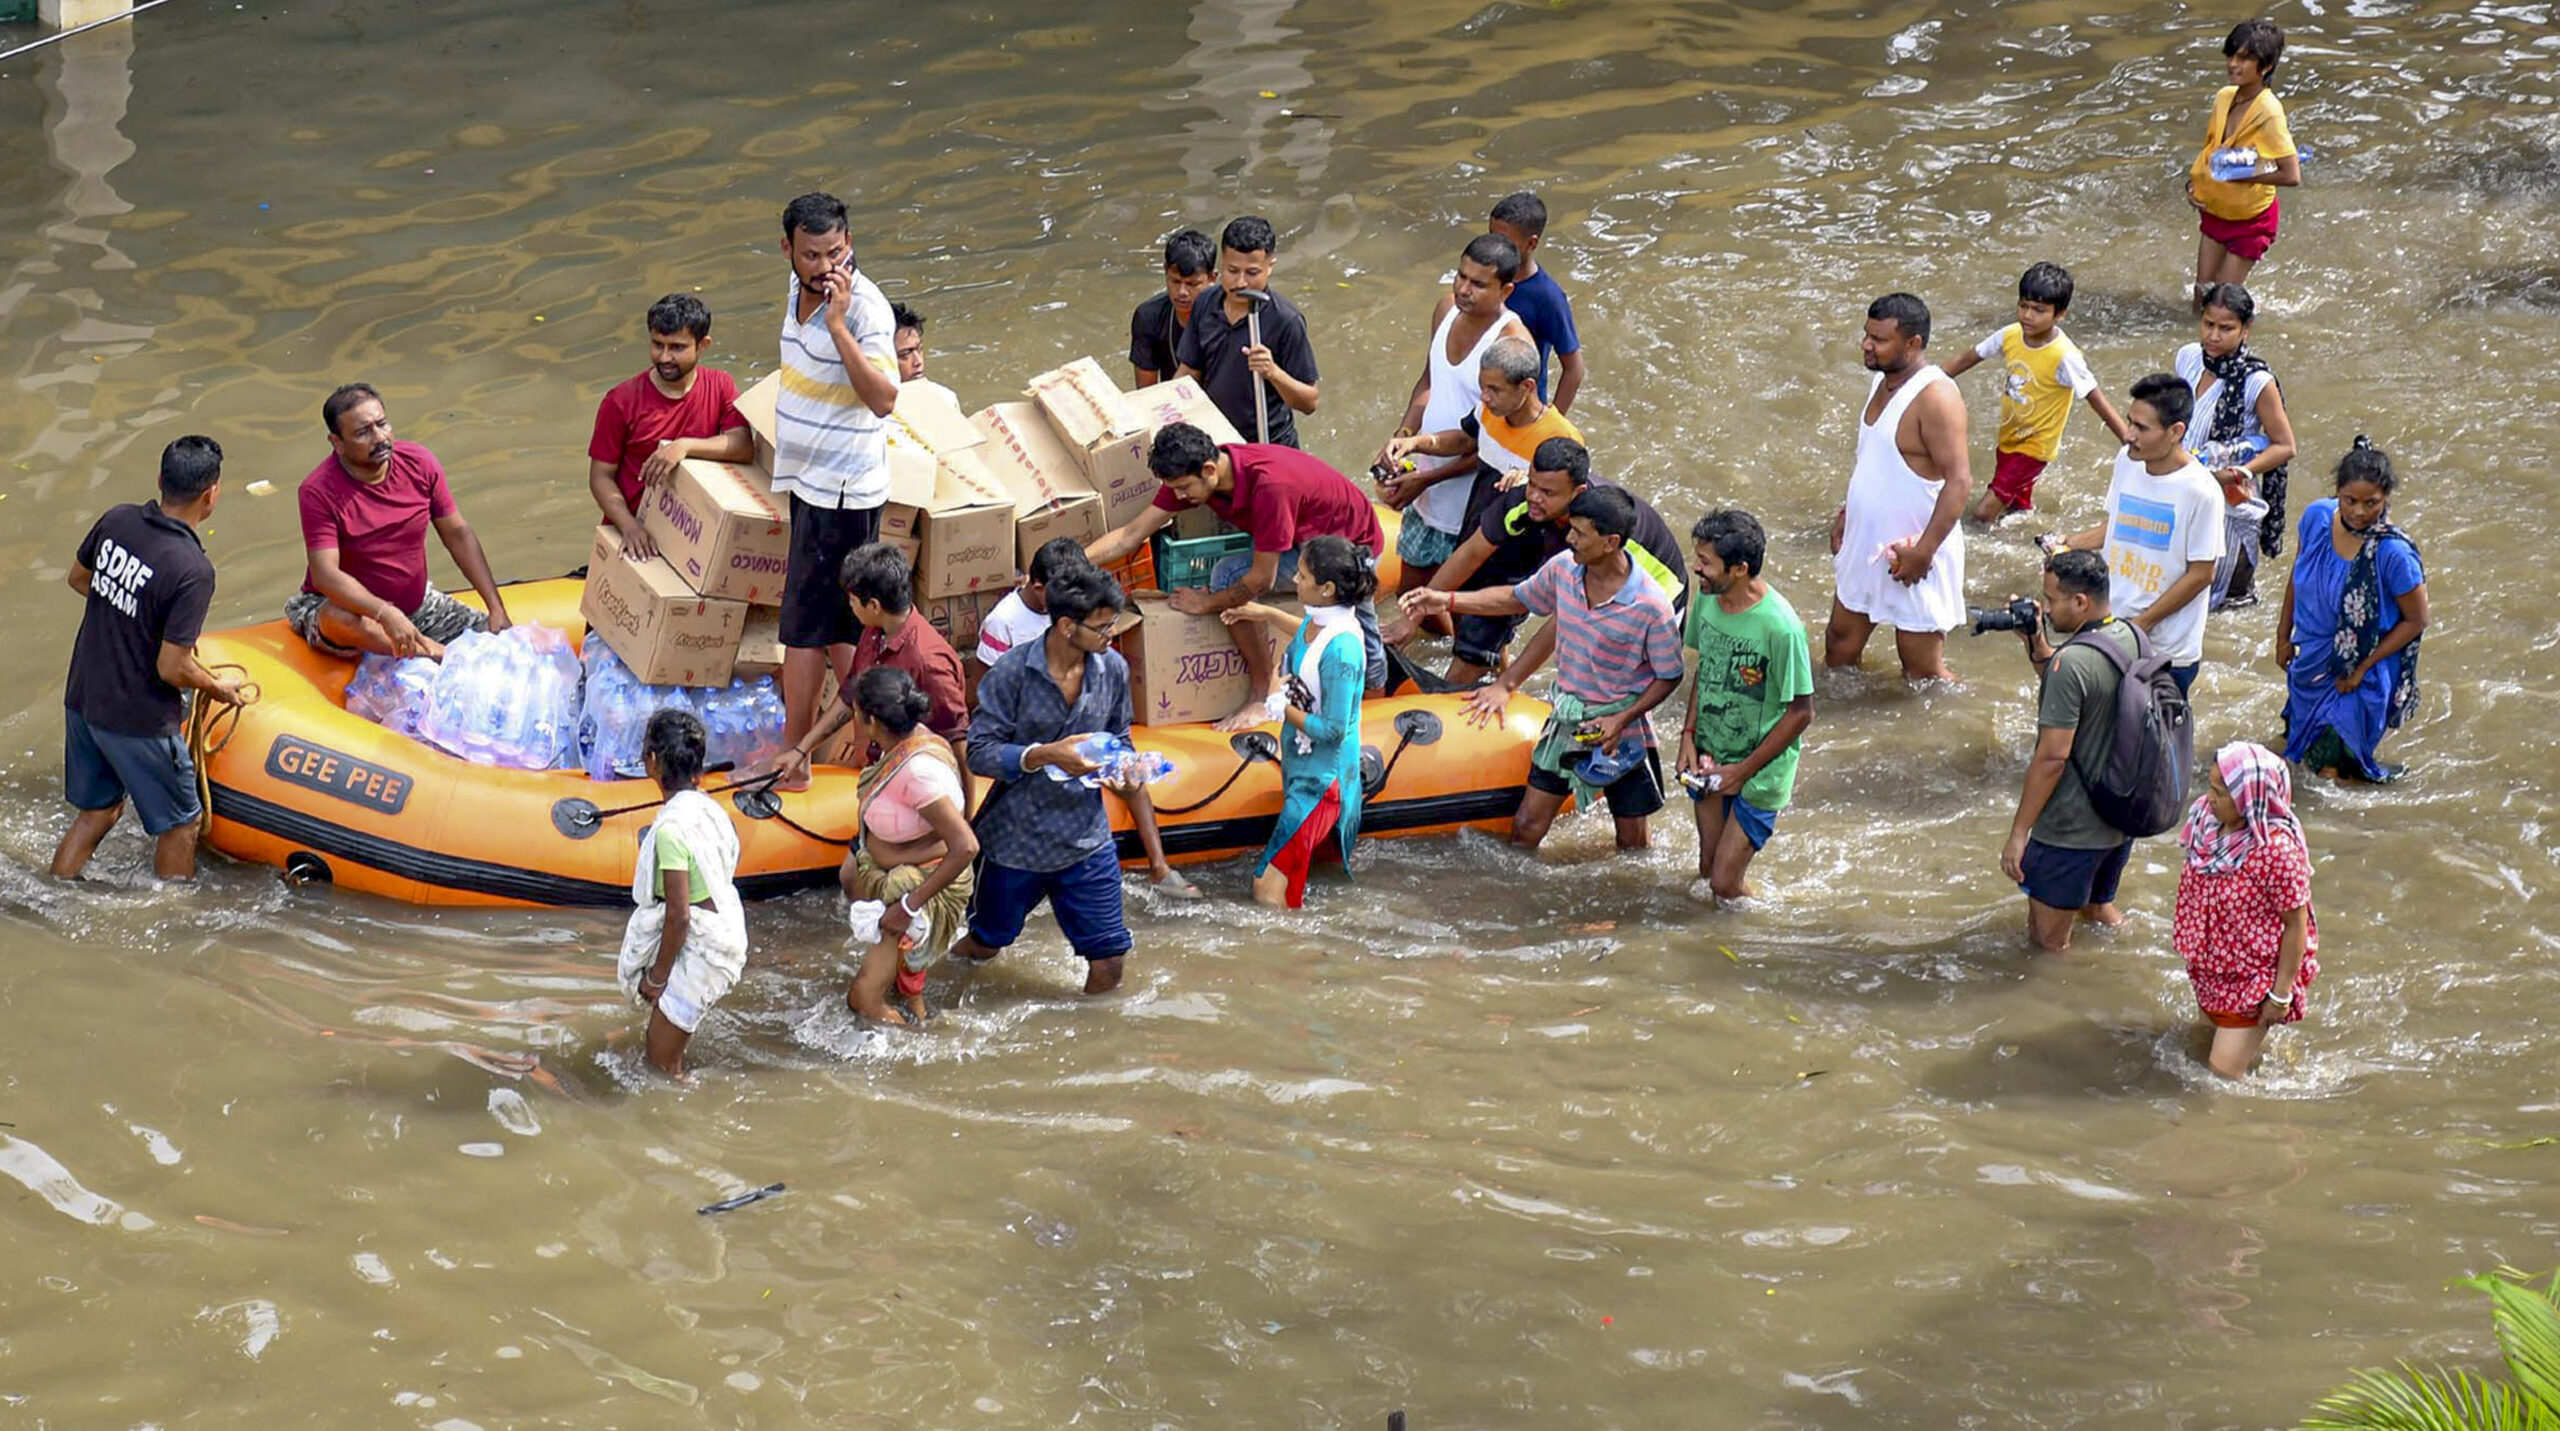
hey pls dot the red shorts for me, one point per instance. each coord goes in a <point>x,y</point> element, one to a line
<point>2013,479</point>
<point>2244,238</point>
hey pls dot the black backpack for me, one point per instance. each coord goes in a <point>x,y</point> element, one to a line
<point>2141,788</point>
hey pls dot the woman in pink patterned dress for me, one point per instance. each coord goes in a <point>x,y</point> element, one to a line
<point>2244,921</point>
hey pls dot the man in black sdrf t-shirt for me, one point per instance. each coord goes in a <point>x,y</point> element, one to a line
<point>148,582</point>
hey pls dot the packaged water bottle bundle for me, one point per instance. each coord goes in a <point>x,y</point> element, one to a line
<point>743,720</point>
<point>511,699</point>
<point>2235,163</point>
<point>392,692</point>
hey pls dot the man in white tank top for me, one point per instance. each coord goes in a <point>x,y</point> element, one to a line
<point>1897,554</point>
<point>1468,320</point>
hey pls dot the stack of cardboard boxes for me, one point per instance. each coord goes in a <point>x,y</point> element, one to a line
<point>970,499</point>
<point>682,618</point>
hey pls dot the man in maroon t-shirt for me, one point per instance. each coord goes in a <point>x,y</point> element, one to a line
<point>650,422</point>
<point>1281,496</point>
<point>365,514</point>
<point>880,586</point>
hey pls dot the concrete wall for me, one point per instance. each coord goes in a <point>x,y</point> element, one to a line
<point>64,14</point>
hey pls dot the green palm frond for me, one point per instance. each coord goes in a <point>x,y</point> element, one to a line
<point>2438,1400</point>
<point>2528,1322</point>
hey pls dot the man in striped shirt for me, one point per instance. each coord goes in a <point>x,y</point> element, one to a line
<point>1617,649</point>
<point>830,449</point>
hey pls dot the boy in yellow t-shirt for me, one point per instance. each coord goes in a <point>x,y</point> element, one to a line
<point>2045,372</point>
<point>2248,154</point>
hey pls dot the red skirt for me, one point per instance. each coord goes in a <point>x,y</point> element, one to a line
<point>2245,238</point>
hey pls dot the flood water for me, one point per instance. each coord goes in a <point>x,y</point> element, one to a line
<point>1507,1142</point>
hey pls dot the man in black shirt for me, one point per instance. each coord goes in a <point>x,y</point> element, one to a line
<point>1218,348</point>
<point>148,582</point>
<point>1157,325</point>
<point>1521,531</point>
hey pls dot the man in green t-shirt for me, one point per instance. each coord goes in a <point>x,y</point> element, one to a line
<point>1750,703</point>
<point>2062,855</point>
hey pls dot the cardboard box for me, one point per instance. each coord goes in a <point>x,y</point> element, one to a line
<point>1051,497</point>
<point>1118,469</point>
<point>931,418</point>
<point>839,748</point>
<point>1193,522</point>
<point>665,632</point>
<point>948,512</point>
<point>718,525</point>
<point>957,618</point>
<point>1181,668</point>
<point>962,534</point>
<point>756,406</point>
<point>759,644</point>
<point>1179,400</point>
<point>1083,404</point>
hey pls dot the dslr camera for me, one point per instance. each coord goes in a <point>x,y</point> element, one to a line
<point>2019,615</point>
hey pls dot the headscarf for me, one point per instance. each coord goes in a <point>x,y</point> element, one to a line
<point>2263,789</point>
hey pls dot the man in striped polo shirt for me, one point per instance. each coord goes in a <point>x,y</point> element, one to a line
<point>1617,649</point>
<point>830,450</point>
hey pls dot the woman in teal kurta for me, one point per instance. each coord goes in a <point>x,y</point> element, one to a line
<point>1318,706</point>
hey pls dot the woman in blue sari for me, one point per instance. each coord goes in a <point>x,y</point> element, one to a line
<point>2348,637</point>
<point>1318,706</point>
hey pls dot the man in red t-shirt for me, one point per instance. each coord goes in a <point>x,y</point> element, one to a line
<point>651,422</point>
<point>365,514</point>
<point>1280,495</point>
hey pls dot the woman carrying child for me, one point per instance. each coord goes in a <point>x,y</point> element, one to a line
<point>1318,706</point>
<point>686,943</point>
<point>914,859</point>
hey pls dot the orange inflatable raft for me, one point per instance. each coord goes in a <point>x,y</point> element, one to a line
<point>302,784</point>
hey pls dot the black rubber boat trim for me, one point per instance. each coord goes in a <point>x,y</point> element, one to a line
<point>456,872</point>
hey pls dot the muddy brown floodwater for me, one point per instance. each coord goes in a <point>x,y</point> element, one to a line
<point>1510,1143</point>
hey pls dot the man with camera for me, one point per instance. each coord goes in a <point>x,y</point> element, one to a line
<point>2062,854</point>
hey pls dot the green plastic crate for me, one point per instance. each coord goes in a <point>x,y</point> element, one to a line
<point>17,12</point>
<point>1187,561</point>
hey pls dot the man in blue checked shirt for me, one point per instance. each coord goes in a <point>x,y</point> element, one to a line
<point>1042,832</point>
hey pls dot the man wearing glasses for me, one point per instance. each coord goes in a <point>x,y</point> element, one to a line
<point>1042,832</point>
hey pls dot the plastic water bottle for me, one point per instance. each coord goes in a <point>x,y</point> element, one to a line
<point>1100,749</point>
<point>1145,767</point>
<point>764,715</point>
<point>724,727</point>
<point>2234,164</point>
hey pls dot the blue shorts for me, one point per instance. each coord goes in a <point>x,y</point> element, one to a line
<point>1757,824</point>
<point>1085,896</point>
<point>1231,569</point>
<point>2185,676</point>
<point>2058,878</point>
<point>103,768</point>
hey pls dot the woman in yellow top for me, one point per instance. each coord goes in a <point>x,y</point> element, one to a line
<point>2235,199</point>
